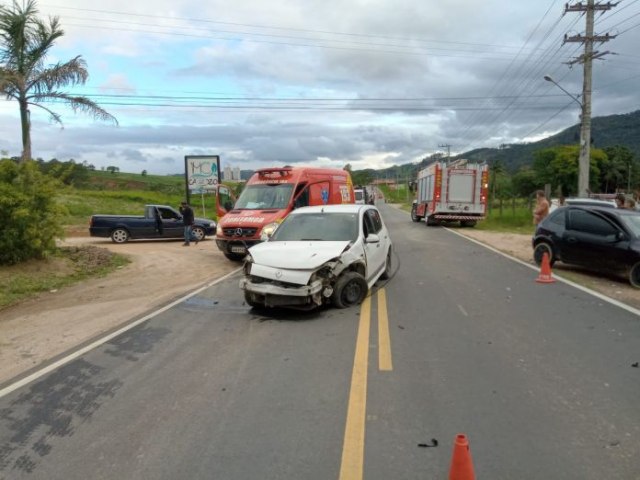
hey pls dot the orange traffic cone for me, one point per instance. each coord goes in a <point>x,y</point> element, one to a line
<point>545,270</point>
<point>461,465</point>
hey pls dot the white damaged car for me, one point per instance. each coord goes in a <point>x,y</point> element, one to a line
<point>322,254</point>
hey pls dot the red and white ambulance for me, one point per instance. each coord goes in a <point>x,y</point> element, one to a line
<point>268,197</point>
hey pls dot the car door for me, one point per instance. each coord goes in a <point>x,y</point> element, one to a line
<point>172,224</point>
<point>376,253</point>
<point>592,240</point>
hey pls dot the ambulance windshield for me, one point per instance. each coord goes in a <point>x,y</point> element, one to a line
<point>265,196</point>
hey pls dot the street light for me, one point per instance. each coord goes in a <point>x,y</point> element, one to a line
<point>585,142</point>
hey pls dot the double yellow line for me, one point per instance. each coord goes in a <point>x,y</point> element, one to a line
<point>353,448</point>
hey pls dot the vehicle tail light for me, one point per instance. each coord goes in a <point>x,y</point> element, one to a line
<point>438,183</point>
<point>484,188</point>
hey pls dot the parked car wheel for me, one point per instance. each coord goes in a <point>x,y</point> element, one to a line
<point>198,233</point>
<point>350,289</point>
<point>414,214</point>
<point>539,251</point>
<point>634,275</point>
<point>120,235</point>
<point>235,257</point>
<point>387,267</point>
<point>468,223</point>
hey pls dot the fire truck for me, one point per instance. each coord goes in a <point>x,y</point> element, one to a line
<point>451,191</point>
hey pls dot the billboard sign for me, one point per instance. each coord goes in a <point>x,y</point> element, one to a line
<point>202,173</point>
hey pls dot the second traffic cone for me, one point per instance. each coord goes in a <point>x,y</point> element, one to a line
<point>545,270</point>
<point>461,465</point>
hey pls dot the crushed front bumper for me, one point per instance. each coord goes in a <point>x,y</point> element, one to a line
<point>271,295</point>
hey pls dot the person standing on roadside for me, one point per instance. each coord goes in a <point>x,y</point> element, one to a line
<point>542,208</point>
<point>187,217</point>
<point>620,199</point>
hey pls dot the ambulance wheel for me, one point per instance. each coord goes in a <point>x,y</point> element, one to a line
<point>350,289</point>
<point>235,257</point>
<point>431,222</point>
<point>468,223</point>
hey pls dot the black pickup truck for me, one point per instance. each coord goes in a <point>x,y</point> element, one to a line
<point>159,221</point>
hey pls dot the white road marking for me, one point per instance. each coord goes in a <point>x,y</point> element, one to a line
<point>464,312</point>
<point>72,356</point>
<point>599,295</point>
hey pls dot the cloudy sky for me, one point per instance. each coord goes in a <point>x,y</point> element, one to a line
<point>372,83</point>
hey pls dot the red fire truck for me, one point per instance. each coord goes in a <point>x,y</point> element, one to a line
<point>451,191</point>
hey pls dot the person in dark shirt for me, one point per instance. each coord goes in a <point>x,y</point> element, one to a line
<point>187,217</point>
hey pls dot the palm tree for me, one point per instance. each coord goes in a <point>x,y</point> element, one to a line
<point>25,41</point>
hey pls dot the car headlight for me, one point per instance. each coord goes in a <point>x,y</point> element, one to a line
<point>219,230</point>
<point>213,225</point>
<point>246,267</point>
<point>268,230</point>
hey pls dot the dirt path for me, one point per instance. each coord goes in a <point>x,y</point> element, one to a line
<point>37,330</point>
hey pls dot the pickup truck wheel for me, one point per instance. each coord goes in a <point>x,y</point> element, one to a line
<point>414,214</point>
<point>235,257</point>
<point>634,275</point>
<point>387,267</point>
<point>350,289</point>
<point>198,233</point>
<point>119,235</point>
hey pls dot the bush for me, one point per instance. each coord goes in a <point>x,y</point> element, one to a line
<point>29,215</point>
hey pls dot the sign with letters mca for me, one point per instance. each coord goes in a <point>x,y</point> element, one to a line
<point>202,172</point>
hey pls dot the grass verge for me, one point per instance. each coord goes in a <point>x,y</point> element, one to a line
<point>68,266</point>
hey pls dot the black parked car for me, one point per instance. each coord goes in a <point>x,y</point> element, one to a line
<point>598,238</point>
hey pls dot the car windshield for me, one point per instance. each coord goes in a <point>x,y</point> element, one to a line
<point>633,223</point>
<point>255,197</point>
<point>321,226</point>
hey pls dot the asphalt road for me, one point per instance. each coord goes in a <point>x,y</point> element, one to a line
<point>461,340</point>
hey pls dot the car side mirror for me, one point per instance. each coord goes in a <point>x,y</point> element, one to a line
<point>372,238</point>
<point>620,236</point>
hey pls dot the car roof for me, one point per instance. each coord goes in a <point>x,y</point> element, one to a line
<point>602,208</point>
<point>340,208</point>
<point>590,201</point>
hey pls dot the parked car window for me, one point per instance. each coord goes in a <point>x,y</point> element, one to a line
<point>168,214</point>
<point>557,218</point>
<point>590,223</point>
<point>633,223</point>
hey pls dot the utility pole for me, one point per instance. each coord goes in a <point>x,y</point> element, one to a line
<point>588,40</point>
<point>448,147</point>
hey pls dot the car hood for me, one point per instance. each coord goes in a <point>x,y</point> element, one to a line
<point>204,220</point>
<point>299,255</point>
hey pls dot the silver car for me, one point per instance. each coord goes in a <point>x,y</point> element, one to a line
<point>323,254</point>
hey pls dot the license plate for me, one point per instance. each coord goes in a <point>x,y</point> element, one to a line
<point>238,249</point>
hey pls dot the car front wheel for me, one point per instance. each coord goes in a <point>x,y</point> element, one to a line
<point>119,235</point>
<point>350,289</point>
<point>539,250</point>
<point>634,275</point>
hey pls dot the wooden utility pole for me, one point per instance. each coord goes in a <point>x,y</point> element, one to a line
<point>586,59</point>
